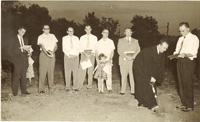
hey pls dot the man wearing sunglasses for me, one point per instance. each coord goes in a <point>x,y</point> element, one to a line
<point>48,46</point>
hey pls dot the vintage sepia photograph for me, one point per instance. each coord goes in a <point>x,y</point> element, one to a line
<point>106,61</point>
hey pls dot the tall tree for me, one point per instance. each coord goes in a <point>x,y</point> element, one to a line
<point>34,18</point>
<point>110,24</point>
<point>145,29</point>
<point>9,17</point>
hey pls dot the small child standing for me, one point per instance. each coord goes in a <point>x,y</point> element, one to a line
<point>30,70</point>
<point>100,74</point>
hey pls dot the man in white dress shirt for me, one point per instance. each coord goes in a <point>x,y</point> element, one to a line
<point>48,46</point>
<point>187,48</point>
<point>87,43</point>
<point>107,47</point>
<point>71,48</point>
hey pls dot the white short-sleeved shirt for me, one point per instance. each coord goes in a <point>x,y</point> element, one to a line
<point>189,44</point>
<point>92,42</point>
<point>48,40</point>
<point>105,47</point>
<point>66,45</point>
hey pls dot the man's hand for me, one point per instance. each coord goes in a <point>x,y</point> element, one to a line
<point>29,53</point>
<point>87,55</point>
<point>181,55</point>
<point>129,58</point>
<point>72,56</point>
<point>50,54</point>
<point>153,80</point>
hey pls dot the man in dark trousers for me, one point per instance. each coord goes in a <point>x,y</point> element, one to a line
<point>148,68</point>
<point>187,48</point>
<point>19,57</point>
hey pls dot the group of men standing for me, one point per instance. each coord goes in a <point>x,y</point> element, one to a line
<point>144,67</point>
<point>88,47</point>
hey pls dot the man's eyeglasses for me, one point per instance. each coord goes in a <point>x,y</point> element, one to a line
<point>46,28</point>
<point>105,32</point>
<point>182,31</point>
<point>70,31</point>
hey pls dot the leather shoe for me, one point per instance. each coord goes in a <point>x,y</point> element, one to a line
<point>109,91</point>
<point>181,107</point>
<point>42,92</point>
<point>133,94</point>
<point>26,93</point>
<point>67,90</point>
<point>76,90</point>
<point>122,93</point>
<point>187,109</point>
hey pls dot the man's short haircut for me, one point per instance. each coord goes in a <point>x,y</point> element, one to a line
<point>105,29</point>
<point>21,27</point>
<point>45,25</point>
<point>70,27</point>
<point>128,28</point>
<point>184,23</point>
<point>164,40</point>
<point>88,26</point>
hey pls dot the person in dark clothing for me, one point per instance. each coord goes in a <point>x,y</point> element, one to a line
<point>19,57</point>
<point>186,49</point>
<point>148,69</point>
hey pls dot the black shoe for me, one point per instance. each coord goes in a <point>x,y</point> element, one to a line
<point>26,93</point>
<point>187,109</point>
<point>133,94</point>
<point>76,90</point>
<point>139,104</point>
<point>109,91</point>
<point>181,107</point>
<point>42,92</point>
<point>122,93</point>
<point>14,94</point>
<point>67,90</point>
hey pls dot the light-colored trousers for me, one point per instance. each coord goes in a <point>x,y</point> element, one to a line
<point>46,67</point>
<point>82,73</point>
<point>71,65</point>
<point>126,70</point>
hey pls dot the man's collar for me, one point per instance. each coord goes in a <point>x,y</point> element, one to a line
<point>157,49</point>
<point>187,35</point>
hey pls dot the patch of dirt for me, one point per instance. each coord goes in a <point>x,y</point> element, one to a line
<point>89,105</point>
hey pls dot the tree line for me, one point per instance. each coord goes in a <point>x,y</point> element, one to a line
<point>14,14</point>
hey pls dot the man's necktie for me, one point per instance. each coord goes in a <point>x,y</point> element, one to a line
<point>21,44</point>
<point>88,42</point>
<point>71,42</point>
<point>181,45</point>
<point>129,40</point>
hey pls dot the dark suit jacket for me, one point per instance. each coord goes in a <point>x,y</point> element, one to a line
<point>148,63</point>
<point>15,52</point>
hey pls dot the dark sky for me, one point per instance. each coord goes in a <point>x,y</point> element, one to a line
<point>162,11</point>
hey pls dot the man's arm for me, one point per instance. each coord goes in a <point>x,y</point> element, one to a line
<point>55,48</point>
<point>120,48</point>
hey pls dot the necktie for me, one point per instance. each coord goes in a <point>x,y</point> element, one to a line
<point>181,45</point>
<point>21,44</point>
<point>71,42</point>
<point>88,42</point>
<point>129,40</point>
